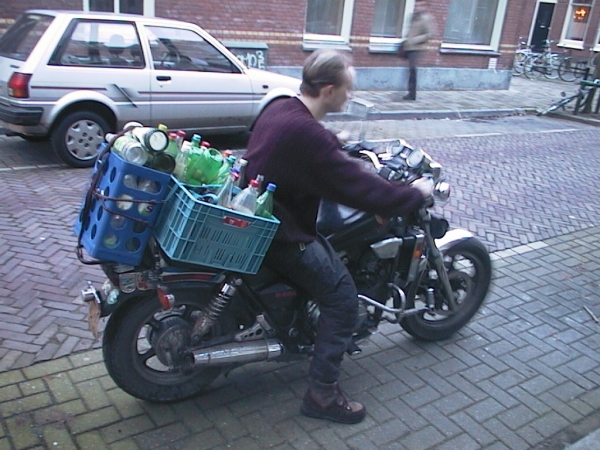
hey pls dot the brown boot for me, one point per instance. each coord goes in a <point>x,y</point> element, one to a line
<point>326,401</point>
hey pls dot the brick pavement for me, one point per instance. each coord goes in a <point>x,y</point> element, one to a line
<point>525,369</point>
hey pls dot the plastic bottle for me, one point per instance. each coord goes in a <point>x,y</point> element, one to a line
<point>173,147</point>
<point>240,164</point>
<point>180,138</point>
<point>182,160</point>
<point>151,187</point>
<point>264,203</point>
<point>226,192</point>
<point>153,139</point>
<point>225,168</point>
<point>129,149</point>
<point>245,201</point>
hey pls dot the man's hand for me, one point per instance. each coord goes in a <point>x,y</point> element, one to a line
<point>343,136</point>
<point>425,185</point>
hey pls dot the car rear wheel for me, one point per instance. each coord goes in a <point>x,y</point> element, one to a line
<point>77,137</point>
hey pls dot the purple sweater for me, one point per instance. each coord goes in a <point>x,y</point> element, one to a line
<point>305,160</point>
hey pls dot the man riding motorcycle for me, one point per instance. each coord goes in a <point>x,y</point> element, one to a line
<point>291,149</point>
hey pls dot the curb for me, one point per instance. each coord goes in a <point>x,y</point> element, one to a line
<point>430,114</point>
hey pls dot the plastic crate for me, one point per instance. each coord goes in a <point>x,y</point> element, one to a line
<point>117,228</point>
<point>193,231</point>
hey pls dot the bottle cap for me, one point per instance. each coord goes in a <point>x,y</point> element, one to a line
<point>254,183</point>
<point>271,187</point>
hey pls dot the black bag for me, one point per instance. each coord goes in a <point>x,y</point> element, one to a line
<point>401,50</point>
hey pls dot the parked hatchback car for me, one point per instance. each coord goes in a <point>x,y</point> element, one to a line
<point>73,76</point>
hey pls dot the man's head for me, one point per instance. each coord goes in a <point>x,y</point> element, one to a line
<point>328,75</point>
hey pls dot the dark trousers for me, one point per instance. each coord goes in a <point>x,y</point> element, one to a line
<point>413,60</point>
<point>319,271</point>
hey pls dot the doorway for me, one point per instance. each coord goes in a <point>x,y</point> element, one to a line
<point>541,25</point>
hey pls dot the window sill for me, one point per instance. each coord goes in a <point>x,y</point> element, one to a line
<point>468,51</point>
<point>312,45</point>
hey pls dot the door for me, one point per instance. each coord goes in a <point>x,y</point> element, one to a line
<point>196,86</point>
<point>541,26</point>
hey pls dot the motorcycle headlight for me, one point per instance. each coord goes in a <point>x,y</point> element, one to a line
<point>441,190</point>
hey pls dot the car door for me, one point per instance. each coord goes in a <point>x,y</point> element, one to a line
<point>101,61</point>
<point>195,85</point>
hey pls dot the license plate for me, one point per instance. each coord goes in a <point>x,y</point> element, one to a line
<point>93,318</point>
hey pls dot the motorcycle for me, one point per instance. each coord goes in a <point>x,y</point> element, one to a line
<point>174,327</point>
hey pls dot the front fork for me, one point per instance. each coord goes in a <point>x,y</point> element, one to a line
<point>436,259</point>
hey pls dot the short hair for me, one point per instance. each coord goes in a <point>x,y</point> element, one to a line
<point>322,68</point>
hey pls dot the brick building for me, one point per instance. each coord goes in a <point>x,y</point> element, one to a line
<point>473,46</point>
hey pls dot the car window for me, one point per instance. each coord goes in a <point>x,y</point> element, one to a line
<point>21,38</point>
<point>177,49</point>
<point>96,43</point>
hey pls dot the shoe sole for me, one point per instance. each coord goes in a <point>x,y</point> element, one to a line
<point>316,415</point>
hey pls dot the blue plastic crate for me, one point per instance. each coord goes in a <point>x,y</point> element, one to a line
<point>190,230</point>
<point>121,216</point>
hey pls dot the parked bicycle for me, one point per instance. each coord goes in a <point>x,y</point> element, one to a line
<point>585,88</point>
<point>522,52</point>
<point>575,68</point>
<point>545,63</point>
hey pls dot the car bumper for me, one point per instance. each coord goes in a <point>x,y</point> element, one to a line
<point>19,115</point>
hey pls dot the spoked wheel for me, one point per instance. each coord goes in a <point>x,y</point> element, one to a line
<point>519,63</point>
<point>534,67</point>
<point>565,70</point>
<point>142,344</point>
<point>469,269</point>
<point>552,64</point>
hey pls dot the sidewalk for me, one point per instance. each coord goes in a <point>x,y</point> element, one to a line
<point>524,96</point>
<point>524,374</point>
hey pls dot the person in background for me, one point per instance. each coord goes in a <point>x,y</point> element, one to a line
<point>291,149</point>
<point>421,29</point>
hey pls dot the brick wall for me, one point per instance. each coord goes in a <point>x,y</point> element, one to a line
<point>280,24</point>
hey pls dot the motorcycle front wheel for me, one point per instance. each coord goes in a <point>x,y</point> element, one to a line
<point>470,271</point>
<point>141,341</point>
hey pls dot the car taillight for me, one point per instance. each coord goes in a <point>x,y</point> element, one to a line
<point>18,85</point>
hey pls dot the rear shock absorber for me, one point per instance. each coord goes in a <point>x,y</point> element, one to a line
<point>209,316</point>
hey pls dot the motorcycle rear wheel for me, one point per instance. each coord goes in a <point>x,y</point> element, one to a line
<point>470,271</point>
<point>132,346</point>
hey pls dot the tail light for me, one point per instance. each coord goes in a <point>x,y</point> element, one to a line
<point>18,85</point>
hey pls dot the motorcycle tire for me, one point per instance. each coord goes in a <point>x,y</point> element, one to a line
<point>132,348</point>
<point>470,272</point>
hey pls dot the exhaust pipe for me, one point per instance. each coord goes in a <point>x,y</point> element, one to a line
<point>238,353</point>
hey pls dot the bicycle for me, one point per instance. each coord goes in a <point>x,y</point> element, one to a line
<point>522,52</point>
<point>545,63</point>
<point>572,69</point>
<point>580,96</point>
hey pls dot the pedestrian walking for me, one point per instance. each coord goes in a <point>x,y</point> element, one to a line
<point>421,29</point>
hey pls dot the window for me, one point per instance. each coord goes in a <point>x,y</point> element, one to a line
<point>328,24</point>
<point>176,49</point>
<point>93,43</point>
<point>576,23</point>
<point>142,7</point>
<point>20,39</point>
<point>474,24</point>
<point>390,24</point>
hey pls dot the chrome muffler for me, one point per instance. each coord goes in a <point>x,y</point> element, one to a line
<point>238,352</point>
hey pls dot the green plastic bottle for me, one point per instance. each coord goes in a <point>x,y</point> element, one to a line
<point>264,203</point>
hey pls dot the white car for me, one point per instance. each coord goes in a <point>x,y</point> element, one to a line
<point>73,76</point>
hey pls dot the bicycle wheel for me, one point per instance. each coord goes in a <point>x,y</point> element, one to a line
<point>558,104</point>
<point>565,70</point>
<point>551,64</point>
<point>534,66</point>
<point>519,62</point>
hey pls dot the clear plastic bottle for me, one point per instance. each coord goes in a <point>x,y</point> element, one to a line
<point>245,201</point>
<point>225,194</point>
<point>129,149</point>
<point>264,203</point>
<point>181,161</point>
<point>240,164</point>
